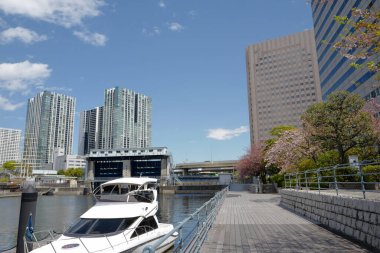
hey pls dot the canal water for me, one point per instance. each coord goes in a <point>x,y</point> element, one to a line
<point>57,212</point>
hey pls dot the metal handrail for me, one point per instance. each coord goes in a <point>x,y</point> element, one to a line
<point>210,209</point>
<point>339,177</point>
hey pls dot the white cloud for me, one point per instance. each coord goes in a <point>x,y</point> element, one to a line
<point>226,134</point>
<point>55,88</point>
<point>20,33</point>
<point>152,32</point>
<point>162,4</point>
<point>192,13</point>
<point>95,39</point>
<point>3,23</point>
<point>67,13</point>
<point>7,105</point>
<point>176,27</point>
<point>22,76</point>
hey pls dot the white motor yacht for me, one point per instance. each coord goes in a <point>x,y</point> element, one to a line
<point>122,220</point>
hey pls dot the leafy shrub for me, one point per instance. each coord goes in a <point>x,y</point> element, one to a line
<point>277,178</point>
<point>371,169</point>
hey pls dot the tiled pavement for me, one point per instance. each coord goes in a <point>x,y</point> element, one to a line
<point>250,222</point>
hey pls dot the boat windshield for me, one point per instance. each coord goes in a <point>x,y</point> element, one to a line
<point>92,227</point>
<point>126,193</point>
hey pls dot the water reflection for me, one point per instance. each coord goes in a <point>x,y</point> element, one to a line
<point>56,212</point>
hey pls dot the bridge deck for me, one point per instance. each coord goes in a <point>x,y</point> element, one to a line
<point>256,223</point>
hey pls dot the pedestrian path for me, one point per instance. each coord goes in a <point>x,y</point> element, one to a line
<point>250,222</point>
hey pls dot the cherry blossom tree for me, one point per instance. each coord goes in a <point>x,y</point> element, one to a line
<point>289,149</point>
<point>251,164</point>
<point>361,37</point>
<point>373,108</point>
<point>364,41</point>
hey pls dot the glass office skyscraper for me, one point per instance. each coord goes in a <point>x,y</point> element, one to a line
<point>334,69</point>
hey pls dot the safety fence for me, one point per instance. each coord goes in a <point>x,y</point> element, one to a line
<point>359,177</point>
<point>204,217</point>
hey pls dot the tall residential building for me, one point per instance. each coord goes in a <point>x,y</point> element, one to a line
<point>9,145</point>
<point>90,130</point>
<point>49,125</point>
<point>283,80</point>
<point>126,119</point>
<point>334,69</point>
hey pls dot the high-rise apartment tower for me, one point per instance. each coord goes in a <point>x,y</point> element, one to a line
<point>123,122</point>
<point>9,145</point>
<point>282,80</point>
<point>126,119</point>
<point>334,69</point>
<point>49,125</point>
<point>90,130</point>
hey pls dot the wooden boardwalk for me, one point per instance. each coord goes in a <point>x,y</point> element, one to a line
<point>250,222</point>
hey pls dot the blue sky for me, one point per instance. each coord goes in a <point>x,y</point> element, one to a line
<point>188,55</point>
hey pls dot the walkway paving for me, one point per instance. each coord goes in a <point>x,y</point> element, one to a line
<point>250,222</point>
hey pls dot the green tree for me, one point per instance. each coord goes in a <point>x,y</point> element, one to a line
<point>10,165</point>
<point>61,172</point>
<point>74,172</point>
<point>276,132</point>
<point>339,123</point>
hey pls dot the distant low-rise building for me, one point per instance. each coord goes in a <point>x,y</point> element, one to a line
<point>69,161</point>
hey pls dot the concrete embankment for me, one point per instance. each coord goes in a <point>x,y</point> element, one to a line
<point>42,190</point>
<point>358,219</point>
<point>191,189</point>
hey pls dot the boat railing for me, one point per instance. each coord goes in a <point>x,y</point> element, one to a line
<point>39,239</point>
<point>45,237</point>
<point>132,196</point>
<point>204,217</point>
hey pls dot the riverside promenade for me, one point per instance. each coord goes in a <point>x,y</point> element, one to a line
<point>249,222</point>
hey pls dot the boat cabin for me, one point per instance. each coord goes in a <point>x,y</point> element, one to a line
<point>128,190</point>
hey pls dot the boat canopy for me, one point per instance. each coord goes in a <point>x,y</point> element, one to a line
<point>120,210</point>
<point>131,180</point>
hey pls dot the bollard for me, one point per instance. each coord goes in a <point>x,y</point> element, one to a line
<point>27,207</point>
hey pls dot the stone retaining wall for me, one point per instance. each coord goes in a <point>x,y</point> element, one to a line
<point>356,218</point>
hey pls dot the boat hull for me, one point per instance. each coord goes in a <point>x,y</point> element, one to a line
<point>86,245</point>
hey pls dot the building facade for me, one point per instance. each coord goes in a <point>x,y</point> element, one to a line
<point>334,69</point>
<point>283,80</point>
<point>65,162</point>
<point>108,164</point>
<point>9,145</point>
<point>90,130</point>
<point>49,125</point>
<point>126,120</point>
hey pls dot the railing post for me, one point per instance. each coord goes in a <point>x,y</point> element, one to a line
<point>307,187</point>
<point>180,240</point>
<point>336,183</point>
<point>285,184</point>
<point>319,180</point>
<point>362,180</point>
<point>198,223</point>
<point>297,182</point>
